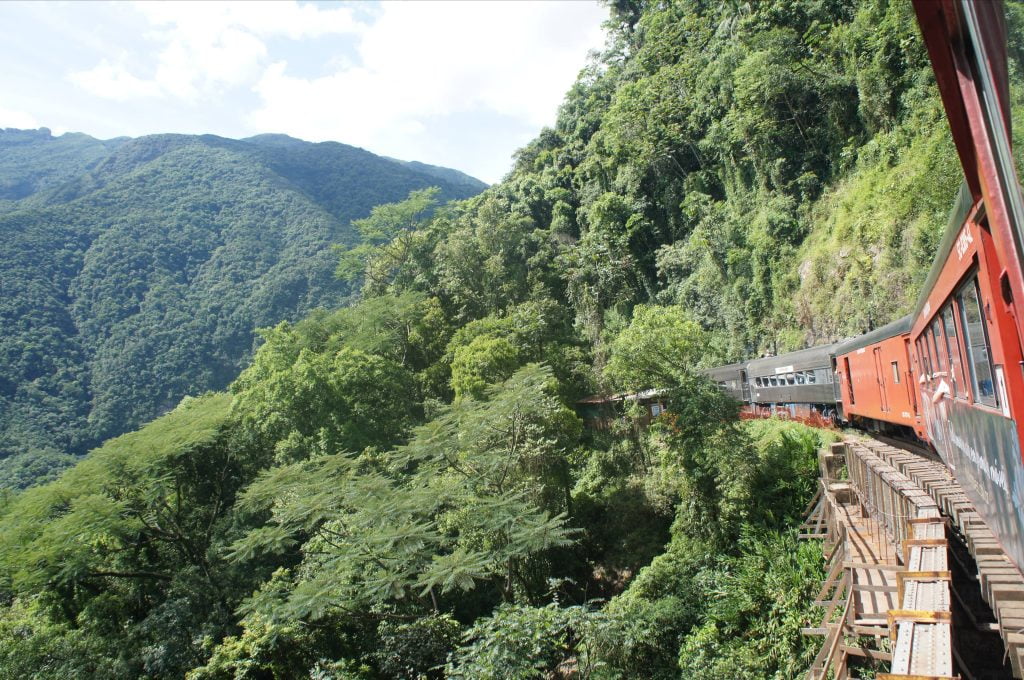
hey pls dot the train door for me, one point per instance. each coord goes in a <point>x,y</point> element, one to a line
<point>883,398</point>
<point>849,379</point>
<point>745,385</point>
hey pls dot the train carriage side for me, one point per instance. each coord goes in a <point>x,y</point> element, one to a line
<point>800,382</point>
<point>966,331</point>
<point>968,358</point>
<point>876,380</point>
<point>732,379</point>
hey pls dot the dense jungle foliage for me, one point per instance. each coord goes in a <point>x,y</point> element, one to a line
<point>400,488</point>
<point>135,272</point>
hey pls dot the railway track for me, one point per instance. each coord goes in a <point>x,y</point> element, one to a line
<point>914,575</point>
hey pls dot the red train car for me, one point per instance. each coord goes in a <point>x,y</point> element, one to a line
<point>966,332</point>
<point>877,383</point>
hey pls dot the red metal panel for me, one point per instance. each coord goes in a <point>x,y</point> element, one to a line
<point>881,375</point>
<point>966,42</point>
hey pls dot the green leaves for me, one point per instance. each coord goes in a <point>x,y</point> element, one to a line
<point>660,348</point>
<point>304,402</point>
<point>460,505</point>
<point>386,239</point>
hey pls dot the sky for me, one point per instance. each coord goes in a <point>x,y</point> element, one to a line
<point>458,84</point>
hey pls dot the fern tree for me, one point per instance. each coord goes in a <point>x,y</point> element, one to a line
<point>473,501</point>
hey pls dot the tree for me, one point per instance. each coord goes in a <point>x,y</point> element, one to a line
<point>302,401</point>
<point>471,500</point>
<point>484,361</point>
<point>387,236</point>
<point>661,347</point>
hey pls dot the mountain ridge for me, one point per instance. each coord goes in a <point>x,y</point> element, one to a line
<point>143,278</point>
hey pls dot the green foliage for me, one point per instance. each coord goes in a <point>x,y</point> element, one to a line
<point>267,649</point>
<point>520,642</point>
<point>730,591</point>
<point>396,488</point>
<point>32,645</point>
<point>417,649</point>
<point>126,540</point>
<point>485,360</point>
<point>302,401</point>
<point>475,497</point>
<point>761,599</point>
<point>385,240</point>
<point>660,346</point>
<point>136,271</point>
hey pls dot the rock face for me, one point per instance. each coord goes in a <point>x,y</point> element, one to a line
<point>135,271</point>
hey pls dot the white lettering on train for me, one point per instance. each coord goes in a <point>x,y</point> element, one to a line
<point>963,242</point>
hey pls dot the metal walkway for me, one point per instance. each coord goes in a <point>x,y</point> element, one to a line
<point>887,519</point>
<point>1001,583</point>
<point>885,544</point>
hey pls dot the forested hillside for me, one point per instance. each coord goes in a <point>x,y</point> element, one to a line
<point>401,488</point>
<point>136,271</point>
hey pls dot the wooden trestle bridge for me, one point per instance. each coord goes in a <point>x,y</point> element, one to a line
<point>915,579</point>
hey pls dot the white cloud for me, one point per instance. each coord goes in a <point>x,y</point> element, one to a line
<point>113,81</point>
<point>17,119</point>
<point>203,47</point>
<point>428,59</point>
<point>426,80</point>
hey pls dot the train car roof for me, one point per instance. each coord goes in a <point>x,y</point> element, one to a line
<point>812,357</point>
<point>724,370</point>
<point>889,330</point>
<point>957,217</point>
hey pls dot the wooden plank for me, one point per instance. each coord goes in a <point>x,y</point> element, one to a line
<point>864,652</point>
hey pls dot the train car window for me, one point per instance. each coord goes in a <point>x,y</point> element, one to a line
<point>933,356</point>
<point>929,354</point>
<point>812,377</point>
<point>790,379</point>
<point>922,359</point>
<point>801,377</point>
<point>978,353</point>
<point>895,372</point>
<point>941,357</point>
<point>956,373</point>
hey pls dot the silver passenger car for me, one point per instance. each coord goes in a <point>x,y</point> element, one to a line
<point>732,379</point>
<point>802,377</point>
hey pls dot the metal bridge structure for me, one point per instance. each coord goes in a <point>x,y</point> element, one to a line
<point>914,578</point>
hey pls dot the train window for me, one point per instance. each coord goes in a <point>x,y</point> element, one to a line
<point>812,377</point>
<point>790,379</point>
<point>941,357</point>
<point>956,374</point>
<point>926,357</point>
<point>801,377</point>
<point>933,356</point>
<point>895,372</point>
<point>774,380</point>
<point>978,352</point>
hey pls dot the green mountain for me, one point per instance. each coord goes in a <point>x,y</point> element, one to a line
<point>135,271</point>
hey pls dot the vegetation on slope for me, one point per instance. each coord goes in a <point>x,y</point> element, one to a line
<point>142,279</point>
<point>399,489</point>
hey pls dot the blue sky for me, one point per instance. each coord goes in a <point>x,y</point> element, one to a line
<point>460,84</point>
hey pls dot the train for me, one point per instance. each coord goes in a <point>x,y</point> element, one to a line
<point>950,374</point>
